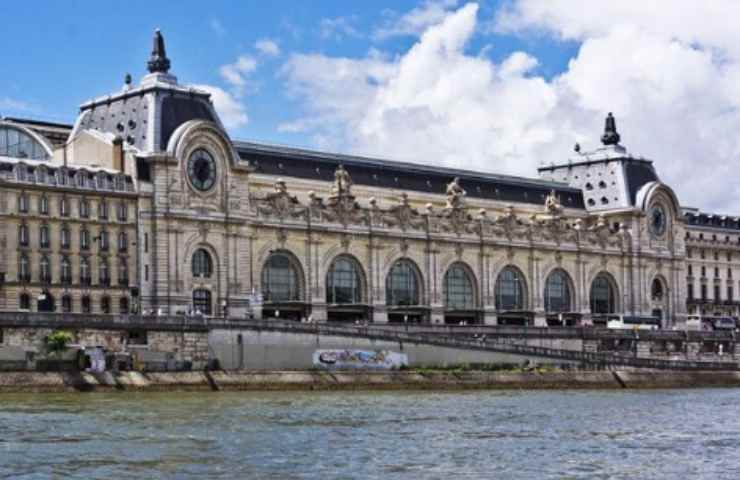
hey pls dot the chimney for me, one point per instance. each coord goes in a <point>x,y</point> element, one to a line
<point>118,162</point>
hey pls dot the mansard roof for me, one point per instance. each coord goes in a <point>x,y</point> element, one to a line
<point>710,220</point>
<point>374,172</point>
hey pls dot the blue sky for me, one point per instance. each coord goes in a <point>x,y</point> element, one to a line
<point>63,53</point>
<point>501,86</point>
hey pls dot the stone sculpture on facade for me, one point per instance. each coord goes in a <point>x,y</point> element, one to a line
<point>455,194</point>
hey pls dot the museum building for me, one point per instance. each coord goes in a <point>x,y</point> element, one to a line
<point>146,205</point>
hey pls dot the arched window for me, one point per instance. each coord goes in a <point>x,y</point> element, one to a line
<point>66,271</point>
<point>510,290</point>
<point>344,282</point>
<point>557,292</point>
<point>45,269</point>
<point>202,264</point>
<point>66,304</point>
<point>123,305</point>
<point>105,304</point>
<point>602,295</point>
<point>402,284</point>
<point>24,271</point>
<point>281,279</point>
<point>458,288</point>
<point>656,291</point>
<point>202,301</point>
<point>18,144</point>
<point>24,301</point>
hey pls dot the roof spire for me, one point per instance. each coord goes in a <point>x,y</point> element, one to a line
<point>158,61</point>
<point>610,137</point>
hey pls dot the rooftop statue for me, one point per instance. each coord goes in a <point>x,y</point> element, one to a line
<point>552,204</point>
<point>455,194</point>
<point>342,182</point>
<point>158,61</point>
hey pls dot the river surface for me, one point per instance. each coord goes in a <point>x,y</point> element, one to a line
<point>686,434</point>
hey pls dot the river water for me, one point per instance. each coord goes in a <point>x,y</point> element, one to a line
<point>687,434</point>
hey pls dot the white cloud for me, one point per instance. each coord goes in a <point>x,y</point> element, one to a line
<point>236,73</point>
<point>414,22</point>
<point>338,28</point>
<point>229,109</point>
<point>671,75</point>
<point>267,47</point>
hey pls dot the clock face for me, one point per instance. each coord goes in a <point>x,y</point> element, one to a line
<point>202,170</point>
<point>657,220</point>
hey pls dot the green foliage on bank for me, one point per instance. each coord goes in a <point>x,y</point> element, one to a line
<point>58,342</point>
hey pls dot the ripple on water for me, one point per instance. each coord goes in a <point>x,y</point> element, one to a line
<point>388,435</point>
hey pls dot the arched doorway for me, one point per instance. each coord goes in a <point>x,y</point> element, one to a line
<point>283,287</point>
<point>511,298</point>
<point>603,298</point>
<point>345,287</point>
<point>202,302</point>
<point>559,299</point>
<point>45,302</point>
<point>403,293</point>
<point>460,298</point>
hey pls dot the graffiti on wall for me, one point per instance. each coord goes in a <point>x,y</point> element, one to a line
<point>371,359</point>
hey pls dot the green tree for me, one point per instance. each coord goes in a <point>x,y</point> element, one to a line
<point>58,341</point>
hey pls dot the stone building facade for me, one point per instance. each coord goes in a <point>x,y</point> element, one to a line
<point>223,227</point>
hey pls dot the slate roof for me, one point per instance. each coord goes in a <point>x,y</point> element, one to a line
<point>313,165</point>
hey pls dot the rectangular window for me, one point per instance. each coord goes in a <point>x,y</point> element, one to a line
<point>122,212</point>
<point>64,207</point>
<point>23,203</point>
<point>729,294</point>
<point>716,293</point>
<point>146,273</point>
<point>704,293</point>
<point>691,291</point>
<point>146,243</point>
<point>691,271</point>
<point>84,208</point>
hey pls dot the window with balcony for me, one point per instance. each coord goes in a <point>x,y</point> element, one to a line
<point>103,238</point>
<point>23,235</point>
<point>122,272</point>
<point>103,273</point>
<point>44,205</point>
<point>66,304</point>
<point>105,304</point>
<point>86,304</point>
<point>24,269</point>
<point>64,207</point>
<point>23,203</point>
<point>103,210</point>
<point>122,242</point>
<point>64,237</point>
<point>66,271</point>
<point>84,208</point>
<point>44,236</point>
<point>45,269</point>
<point>122,212</point>
<point>84,239</point>
<point>84,271</point>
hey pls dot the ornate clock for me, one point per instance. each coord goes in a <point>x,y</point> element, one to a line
<point>202,170</point>
<point>657,220</point>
